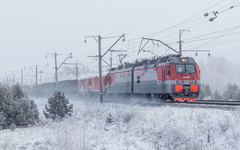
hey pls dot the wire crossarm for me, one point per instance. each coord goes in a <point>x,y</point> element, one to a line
<point>69,56</point>
<point>100,56</point>
<point>122,36</point>
<point>141,48</point>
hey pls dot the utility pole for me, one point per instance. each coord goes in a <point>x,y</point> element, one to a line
<point>180,40</point>
<point>143,45</point>
<point>180,45</point>
<point>100,56</point>
<point>100,67</point>
<point>77,72</point>
<point>56,73</point>
<point>58,67</point>
<point>41,71</point>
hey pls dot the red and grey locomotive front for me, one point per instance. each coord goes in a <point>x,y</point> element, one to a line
<point>183,78</point>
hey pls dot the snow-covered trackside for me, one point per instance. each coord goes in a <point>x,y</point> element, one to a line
<point>111,126</point>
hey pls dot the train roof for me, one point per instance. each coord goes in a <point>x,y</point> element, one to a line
<point>169,59</point>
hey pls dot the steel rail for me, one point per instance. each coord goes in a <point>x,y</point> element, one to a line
<point>215,102</point>
<point>208,102</point>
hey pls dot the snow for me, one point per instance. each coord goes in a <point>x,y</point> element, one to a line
<point>132,127</point>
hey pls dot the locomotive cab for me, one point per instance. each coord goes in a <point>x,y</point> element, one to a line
<point>187,77</point>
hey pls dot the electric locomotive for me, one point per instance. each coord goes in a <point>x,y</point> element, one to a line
<point>170,77</point>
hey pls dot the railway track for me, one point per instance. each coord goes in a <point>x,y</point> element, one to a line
<point>154,102</point>
<point>216,102</point>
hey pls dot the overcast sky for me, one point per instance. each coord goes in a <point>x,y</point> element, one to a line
<point>30,29</point>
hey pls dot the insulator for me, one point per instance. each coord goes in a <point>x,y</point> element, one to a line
<point>206,14</point>
<point>211,19</point>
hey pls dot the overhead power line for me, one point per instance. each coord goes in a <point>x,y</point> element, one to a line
<point>183,22</point>
<point>214,14</point>
<point>217,37</point>
<point>190,22</point>
<point>222,42</point>
<point>146,17</point>
<point>229,5</point>
<point>212,37</point>
<point>212,33</point>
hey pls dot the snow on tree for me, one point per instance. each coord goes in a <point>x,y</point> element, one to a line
<point>216,95</point>
<point>2,118</point>
<point>17,92</point>
<point>232,92</point>
<point>205,91</point>
<point>58,107</point>
<point>16,108</point>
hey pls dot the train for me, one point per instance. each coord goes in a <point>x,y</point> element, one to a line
<point>171,77</point>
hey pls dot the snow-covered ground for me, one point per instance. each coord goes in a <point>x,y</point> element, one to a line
<point>119,126</point>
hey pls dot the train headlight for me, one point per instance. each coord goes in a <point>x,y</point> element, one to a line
<point>178,88</point>
<point>194,88</point>
<point>184,59</point>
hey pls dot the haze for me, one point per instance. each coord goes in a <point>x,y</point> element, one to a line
<point>31,29</point>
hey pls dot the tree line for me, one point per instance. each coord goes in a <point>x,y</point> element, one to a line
<point>231,92</point>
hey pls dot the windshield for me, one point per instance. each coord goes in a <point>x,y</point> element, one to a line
<point>190,69</point>
<point>180,69</point>
<point>185,69</point>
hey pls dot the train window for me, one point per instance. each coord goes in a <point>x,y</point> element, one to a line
<point>190,69</point>
<point>168,70</point>
<point>185,69</point>
<point>138,79</point>
<point>180,69</point>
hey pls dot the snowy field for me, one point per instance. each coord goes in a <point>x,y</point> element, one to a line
<point>119,126</point>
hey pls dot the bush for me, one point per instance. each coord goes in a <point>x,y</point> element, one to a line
<point>58,107</point>
<point>109,119</point>
<point>16,108</point>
